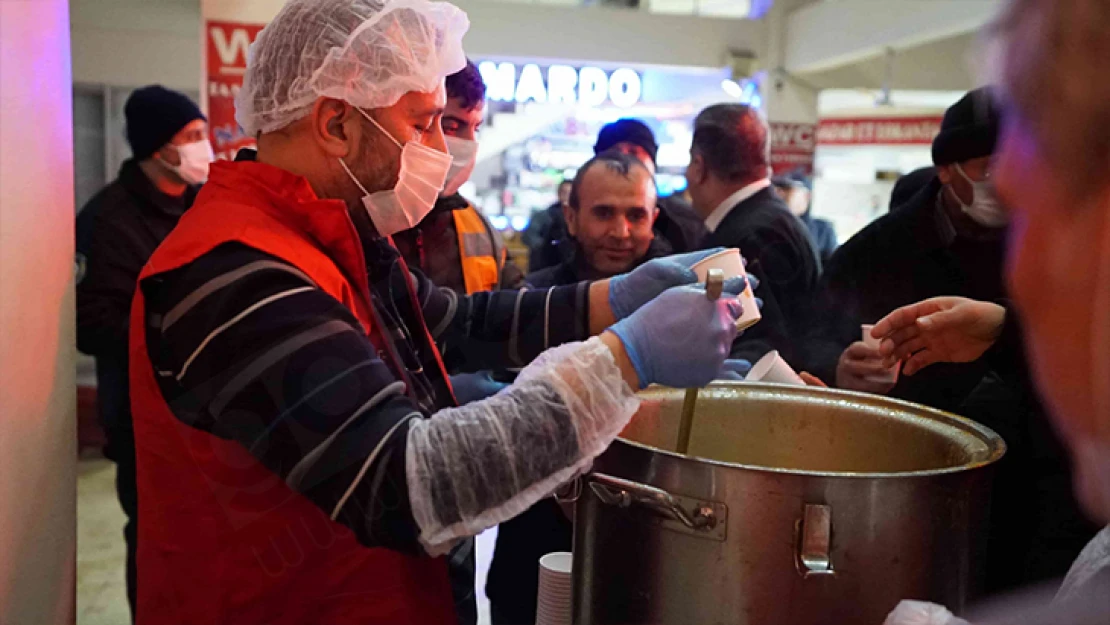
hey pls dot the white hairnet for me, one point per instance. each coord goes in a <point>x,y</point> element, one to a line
<point>473,467</point>
<point>366,52</point>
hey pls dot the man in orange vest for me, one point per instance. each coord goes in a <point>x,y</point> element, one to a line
<point>455,246</point>
<point>300,458</point>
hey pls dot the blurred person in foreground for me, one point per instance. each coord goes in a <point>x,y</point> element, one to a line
<point>117,231</point>
<point>677,225</point>
<point>730,186</point>
<point>546,233</point>
<point>301,455</point>
<point>1052,170</point>
<point>455,245</point>
<point>795,190</point>
<point>609,217</point>
<point>949,239</point>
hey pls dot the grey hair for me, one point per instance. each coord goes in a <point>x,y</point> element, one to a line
<point>734,141</point>
<point>612,160</point>
<point>1051,58</point>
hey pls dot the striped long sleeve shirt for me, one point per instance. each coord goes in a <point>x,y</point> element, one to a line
<point>247,348</point>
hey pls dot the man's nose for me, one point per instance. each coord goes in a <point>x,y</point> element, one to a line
<point>621,228</point>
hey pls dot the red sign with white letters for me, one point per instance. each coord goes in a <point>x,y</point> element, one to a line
<point>879,131</point>
<point>792,147</point>
<point>226,45</point>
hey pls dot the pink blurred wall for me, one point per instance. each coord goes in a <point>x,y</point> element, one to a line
<point>37,345</point>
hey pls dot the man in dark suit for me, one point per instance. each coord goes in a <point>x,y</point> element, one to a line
<point>730,189</point>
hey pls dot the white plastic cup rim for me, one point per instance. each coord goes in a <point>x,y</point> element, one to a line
<point>558,562</point>
<point>772,368</point>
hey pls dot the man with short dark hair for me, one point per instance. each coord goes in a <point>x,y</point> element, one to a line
<point>455,245</point>
<point>677,223</point>
<point>729,185</point>
<point>609,217</point>
<point>117,231</point>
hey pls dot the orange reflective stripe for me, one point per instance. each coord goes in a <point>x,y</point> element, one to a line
<point>478,251</point>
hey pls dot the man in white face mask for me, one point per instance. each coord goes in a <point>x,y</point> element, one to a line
<point>455,246</point>
<point>949,240</point>
<point>117,231</point>
<point>303,455</point>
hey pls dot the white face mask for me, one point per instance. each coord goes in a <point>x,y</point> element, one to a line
<point>985,208</point>
<point>423,172</point>
<point>195,161</point>
<point>464,154</point>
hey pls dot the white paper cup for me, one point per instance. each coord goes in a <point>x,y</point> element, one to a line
<point>772,368</point>
<point>869,340</point>
<point>553,602</point>
<point>728,261</point>
<point>732,265</point>
<point>874,343</point>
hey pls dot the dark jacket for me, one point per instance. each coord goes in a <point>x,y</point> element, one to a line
<point>779,252</point>
<point>572,271</point>
<point>822,234</point>
<point>433,247</point>
<point>902,258</point>
<point>1036,527</point>
<point>545,237</point>
<point>679,225</point>
<point>117,231</point>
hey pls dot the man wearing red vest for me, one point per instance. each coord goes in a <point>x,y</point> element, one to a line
<point>300,458</point>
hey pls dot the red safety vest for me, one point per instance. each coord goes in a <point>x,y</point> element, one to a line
<point>223,540</point>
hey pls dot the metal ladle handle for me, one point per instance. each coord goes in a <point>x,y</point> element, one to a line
<point>714,286</point>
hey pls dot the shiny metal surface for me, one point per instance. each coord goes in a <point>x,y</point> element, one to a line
<point>835,506</point>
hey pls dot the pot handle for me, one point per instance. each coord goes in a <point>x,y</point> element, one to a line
<point>815,541</point>
<point>622,493</point>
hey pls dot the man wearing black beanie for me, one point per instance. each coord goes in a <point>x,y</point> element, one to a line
<point>949,239</point>
<point>117,231</point>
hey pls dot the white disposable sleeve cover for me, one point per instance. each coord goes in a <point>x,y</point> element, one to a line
<point>473,467</point>
<point>922,613</point>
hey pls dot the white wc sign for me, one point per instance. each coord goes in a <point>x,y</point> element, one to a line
<point>587,86</point>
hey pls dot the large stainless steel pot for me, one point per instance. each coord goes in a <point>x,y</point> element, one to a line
<point>795,506</point>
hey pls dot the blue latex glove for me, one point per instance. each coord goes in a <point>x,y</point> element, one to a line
<point>475,386</point>
<point>628,292</point>
<point>734,370</point>
<point>681,338</point>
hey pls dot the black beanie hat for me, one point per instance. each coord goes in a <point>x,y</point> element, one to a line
<point>969,130</point>
<point>154,115</point>
<point>631,131</point>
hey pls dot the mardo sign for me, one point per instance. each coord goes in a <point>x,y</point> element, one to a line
<point>562,84</point>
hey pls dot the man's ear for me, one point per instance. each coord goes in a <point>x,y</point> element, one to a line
<point>945,173</point>
<point>335,127</point>
<point>571,217</point>
<point>654,215</point>
<point>696,171</point>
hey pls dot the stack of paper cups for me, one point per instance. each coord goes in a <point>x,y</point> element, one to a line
<point>731,263</point>
<point>553,602</point>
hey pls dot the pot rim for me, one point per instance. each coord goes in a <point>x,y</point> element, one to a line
<point>996,446</point>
